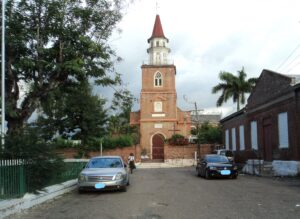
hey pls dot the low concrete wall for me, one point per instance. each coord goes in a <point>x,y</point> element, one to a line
<point>181,162</point>
<point>278,167</point>
<point>12,206</point>
<point>286,168</point>
<point>252,166</point>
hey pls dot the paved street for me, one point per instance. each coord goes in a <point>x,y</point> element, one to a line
<point>178,193</point>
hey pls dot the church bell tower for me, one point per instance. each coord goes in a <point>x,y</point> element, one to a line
<point>159,117</point>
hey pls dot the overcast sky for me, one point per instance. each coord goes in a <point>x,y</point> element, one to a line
<point>206,37</point>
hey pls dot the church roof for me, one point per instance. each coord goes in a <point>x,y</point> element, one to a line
<point>157,29</point>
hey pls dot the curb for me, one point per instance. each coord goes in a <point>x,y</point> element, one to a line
<point>12,206</point>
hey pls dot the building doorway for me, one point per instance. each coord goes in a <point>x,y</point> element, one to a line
<point>158,147</point>
<point>267,139</point>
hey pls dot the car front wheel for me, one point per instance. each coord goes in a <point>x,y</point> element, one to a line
<point>234,177</point>
<point>124,189</point>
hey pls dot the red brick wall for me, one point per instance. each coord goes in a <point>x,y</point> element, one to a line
<point>123,152</point>
<point>171,152</point>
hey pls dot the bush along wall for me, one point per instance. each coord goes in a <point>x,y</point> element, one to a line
<point>178,139</point>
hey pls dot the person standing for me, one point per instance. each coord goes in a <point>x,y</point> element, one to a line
<point>131,162</point>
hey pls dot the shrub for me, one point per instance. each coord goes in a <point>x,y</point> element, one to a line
<point>178,139</point>
<point>42,162</point>
<point>124,141</point>
<point>61,143</point>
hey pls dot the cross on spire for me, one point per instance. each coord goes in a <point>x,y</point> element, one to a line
<point>156,7</point>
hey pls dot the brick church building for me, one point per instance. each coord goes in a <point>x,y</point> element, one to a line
<point>159,117</point>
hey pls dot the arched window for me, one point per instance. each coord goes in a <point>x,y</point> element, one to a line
<point>157,43</point>
<point>158,79</point>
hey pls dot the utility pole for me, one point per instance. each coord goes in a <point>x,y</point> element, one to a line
<point>197,128</point>
<point>197,124</point>
<point>3,76</point>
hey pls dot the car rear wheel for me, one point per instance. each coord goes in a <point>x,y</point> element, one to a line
<point>207,176</point>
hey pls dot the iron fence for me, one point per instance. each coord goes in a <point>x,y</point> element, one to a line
<point>12,178</point>
<point>14,183</point>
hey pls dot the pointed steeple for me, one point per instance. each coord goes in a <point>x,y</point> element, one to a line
<point>157,29</point>
<point>158,50</point>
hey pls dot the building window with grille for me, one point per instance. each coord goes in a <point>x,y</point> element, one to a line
<point>227,139</point>
<point>233,139</point>
<point>157,106</point>
<point>254,135</point>
<point>158,79</point>
<point>283,131</point>
<point>242,138</point>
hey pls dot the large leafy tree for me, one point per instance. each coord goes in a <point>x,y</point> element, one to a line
<point>73,112</point>
<point>51,43</point>
<point>234,87</point>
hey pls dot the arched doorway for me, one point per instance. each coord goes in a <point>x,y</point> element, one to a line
<point>158,147</point>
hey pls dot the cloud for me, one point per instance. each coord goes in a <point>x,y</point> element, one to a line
<point>207,37</point>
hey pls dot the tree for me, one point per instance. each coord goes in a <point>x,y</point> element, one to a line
<point>208,134</point>
<point>234,87</point>
<point>73,113</point>
<point>53,43</point>
<point>122,104</point>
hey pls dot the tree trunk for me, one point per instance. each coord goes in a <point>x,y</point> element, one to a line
<point>14,125</point>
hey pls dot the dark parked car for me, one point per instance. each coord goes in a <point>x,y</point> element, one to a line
<point>213,165</point>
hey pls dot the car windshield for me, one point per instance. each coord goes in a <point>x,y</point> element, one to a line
<point>217,159</point>
<point>105,163</point>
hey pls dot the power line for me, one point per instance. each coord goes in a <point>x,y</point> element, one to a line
<point>293,67</point>
<point>288,57</point>
<point>289,64</point>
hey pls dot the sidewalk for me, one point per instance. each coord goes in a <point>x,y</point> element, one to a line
<point>11,206</point>
<point>160,165</point>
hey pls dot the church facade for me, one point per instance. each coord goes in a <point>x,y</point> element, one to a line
<point>159,117</point>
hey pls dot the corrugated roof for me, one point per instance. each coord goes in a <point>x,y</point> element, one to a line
<point>206,118</point>
<point>295,79</point>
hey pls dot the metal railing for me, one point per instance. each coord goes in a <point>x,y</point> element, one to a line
<point>14,183</point>
<point>12,179</point>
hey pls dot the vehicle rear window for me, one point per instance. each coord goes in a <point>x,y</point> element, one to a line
<point>105,163</point>
<point>217,159</point>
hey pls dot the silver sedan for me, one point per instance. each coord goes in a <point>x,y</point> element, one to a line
<point>104,173</point>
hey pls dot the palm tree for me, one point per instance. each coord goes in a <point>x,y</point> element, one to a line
<point>234,87</point>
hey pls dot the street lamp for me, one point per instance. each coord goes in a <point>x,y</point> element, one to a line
<point>3,75</point>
